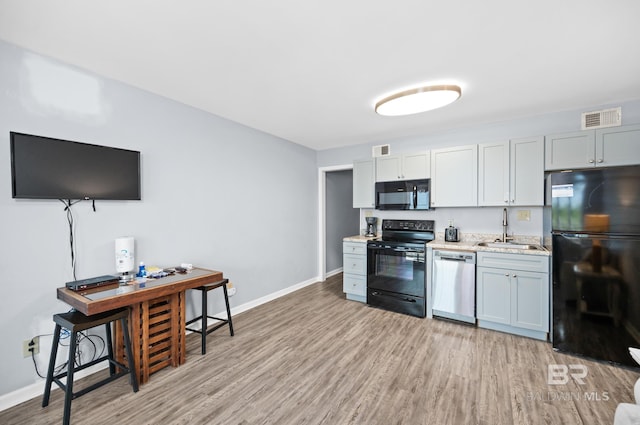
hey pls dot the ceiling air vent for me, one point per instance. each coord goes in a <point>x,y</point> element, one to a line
<point>381,150</point>
<point>601,119</point>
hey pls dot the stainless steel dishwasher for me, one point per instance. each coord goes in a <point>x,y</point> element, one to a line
<point>454,285</point>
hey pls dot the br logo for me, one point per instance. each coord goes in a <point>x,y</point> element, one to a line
<point>559,374</point>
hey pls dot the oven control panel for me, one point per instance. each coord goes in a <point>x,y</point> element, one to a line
<point>413,225</point>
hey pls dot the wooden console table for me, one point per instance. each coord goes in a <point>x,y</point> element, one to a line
<point>156,318</point>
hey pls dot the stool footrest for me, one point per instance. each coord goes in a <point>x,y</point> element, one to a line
<point>91,387</point>
<point>211,327</point>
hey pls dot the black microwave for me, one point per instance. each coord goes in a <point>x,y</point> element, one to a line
<point>403,195</point>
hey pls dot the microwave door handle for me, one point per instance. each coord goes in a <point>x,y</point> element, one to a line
<point>415,197</point>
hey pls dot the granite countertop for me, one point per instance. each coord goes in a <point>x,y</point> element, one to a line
<point>359,238</point>
<point>469,242</point>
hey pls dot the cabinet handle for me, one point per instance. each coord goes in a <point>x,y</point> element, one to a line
<point>506,274</point>
<point>591,161</point>
<point>600,161</point>
<point>515,275</point>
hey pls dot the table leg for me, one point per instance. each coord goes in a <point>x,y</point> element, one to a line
<point>182,327</point>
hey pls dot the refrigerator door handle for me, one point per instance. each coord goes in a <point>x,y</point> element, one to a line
<point>601,236</point>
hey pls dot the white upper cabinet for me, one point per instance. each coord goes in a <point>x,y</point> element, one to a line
<point>403,167</point>
<point>363,184</point>
<point>511,173</point>
<point>606,147</point>
<point>618,146</point>
<point>493,174</point>
<point>526,182</point>
<point>454,177</point>
<point>569,150</point>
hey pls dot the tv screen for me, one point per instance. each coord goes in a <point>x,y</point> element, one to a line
<point>47,168</point>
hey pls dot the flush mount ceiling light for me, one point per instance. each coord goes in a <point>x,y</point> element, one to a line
<point>418,100</point>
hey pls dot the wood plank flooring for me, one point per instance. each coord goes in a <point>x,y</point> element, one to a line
<point>312,357</point>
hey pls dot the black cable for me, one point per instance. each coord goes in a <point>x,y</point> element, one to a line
<point>67,207</point>
<point>57,369</point>
<point>81,337</point>
<point>64,334</point>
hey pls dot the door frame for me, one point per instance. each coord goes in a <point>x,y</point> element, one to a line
<point>322,215</point>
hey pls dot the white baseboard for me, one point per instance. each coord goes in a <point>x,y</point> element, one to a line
<point>37,389</point>
<point>334,272</point>
<point>262,300</point>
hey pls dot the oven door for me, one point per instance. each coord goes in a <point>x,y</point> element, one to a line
<point>396,267</point>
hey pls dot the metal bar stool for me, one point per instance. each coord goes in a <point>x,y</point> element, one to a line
<point>77,322</point>
<point>204,329</point>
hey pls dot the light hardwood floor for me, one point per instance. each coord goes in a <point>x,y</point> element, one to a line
<point>312,357</point>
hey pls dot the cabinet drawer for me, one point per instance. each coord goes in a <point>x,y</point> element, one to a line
<point>356,285</point>
<point>526,262</point>
<point>354,264</point>
<point>354,248</point>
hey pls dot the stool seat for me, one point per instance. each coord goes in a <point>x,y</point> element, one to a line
<point>204,328</point>
<point>76,322</point>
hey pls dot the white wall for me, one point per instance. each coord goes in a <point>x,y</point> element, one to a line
<point>214,193</point>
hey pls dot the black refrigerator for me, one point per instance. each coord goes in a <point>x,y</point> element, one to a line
<point>596,262</point>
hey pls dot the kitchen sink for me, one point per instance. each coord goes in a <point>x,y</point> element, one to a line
<point>511,245</point>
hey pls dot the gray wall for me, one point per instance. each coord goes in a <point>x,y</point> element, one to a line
<point>214,193</point>
<point>341,218</point>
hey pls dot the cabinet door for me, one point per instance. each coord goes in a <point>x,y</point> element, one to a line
<point>618,146</point>
<point>493,174</point>
<point>454,177</point>
<point>494,296</point>
<point>571,150</point>
<point>363,184</point>
<point>388,168</point>
<point>416,166</point>
<point>530,300</point>
<point>527,172</point>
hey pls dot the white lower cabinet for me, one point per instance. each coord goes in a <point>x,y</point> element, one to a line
<point>354,270</point>
<point>513,293</point>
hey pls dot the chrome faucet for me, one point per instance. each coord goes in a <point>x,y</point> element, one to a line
<point>505,224</point>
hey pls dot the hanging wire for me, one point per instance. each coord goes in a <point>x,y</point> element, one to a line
<point>67,207</point>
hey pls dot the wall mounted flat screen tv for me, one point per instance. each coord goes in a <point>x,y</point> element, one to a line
<point>47,168</point>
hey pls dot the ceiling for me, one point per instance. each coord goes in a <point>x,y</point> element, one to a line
<point>310,71</point>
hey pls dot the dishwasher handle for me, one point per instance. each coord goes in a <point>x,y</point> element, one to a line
<point>454,256</point>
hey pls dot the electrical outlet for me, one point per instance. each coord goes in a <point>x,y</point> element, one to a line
<point>524,215</point>
<point>231,290</point>
<point>30,345</point>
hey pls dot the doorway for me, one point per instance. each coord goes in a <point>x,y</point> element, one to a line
<point>338,218</point>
